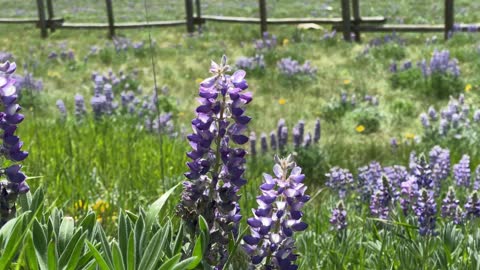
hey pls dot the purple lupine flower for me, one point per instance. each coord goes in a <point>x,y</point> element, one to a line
<point>280,125</point>
<point>278,215</point>
<point>396,176</point>
<point>343,98</point>
<point>472,206</point>
<point>338,219</point>
<point>443,127</point>
<point>424,120</point>
<point>27,83</point>
<point>412,161</point>
<point>408,192</point>
<point>340,180</point>
<point>301,128</point>
<point>461,171</point>
<point>476,116</point>
<point>283,139</point>
<point>368,178</point>
<point>476,183</point>
<point>381,199</point>
<point>253,144</point>
<point>317,131</point>
<point>450,204</point>
<point>10,118</point>
<point>297,139</point>
<point>80,109</point>
<point>432,113</point>
<point>273,141</point>
<point>250,63</point>
<point>394,143</point>
<point>393,67</point>
<point>307,140</point>
<point>216,167</point>
<point>289,67</point>
<point>5,56</point>
<point>440,164</point>
<point>61,108</point>
<point>426,211</point>
<point>263,143</point>
<point>423,174</point>
<point>98,104</point>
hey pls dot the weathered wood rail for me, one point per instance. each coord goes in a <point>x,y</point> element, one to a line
<point>350,21</point>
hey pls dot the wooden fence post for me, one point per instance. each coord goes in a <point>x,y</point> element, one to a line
<point>449,20</point>
<point>111,23</point>
<point>189,14</point>
<point>347,28</point>
<point>41,19</point>
<point>357,19</point>
<point>263,16</point>
<point>50,15</point>
<point>199,15</point>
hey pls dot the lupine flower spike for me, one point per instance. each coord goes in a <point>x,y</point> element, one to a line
<point>216,167</point>
<point>14,184</point>
<point>278,215</point>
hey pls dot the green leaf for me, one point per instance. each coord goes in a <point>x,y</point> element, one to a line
<point>88,222</point>
<point>156,208</point>
<point>177,246</point>
<point>105,247</point>
<point>67,253</point>
<point>152,252</point>
<point>25,201</point>
<point>170,263</point>
<point>40,244</point>
<point>13,242</point>
<point>123,236</point>
<point>139,237</point>
<point>30,255</point>
<point>117,257</point>
<point>233,246</point>
<point>98,257</point>
<point>186,263</point>
<point>131,252</point>
<point>65,232</point>
<point>197,253</point>
<point>52,256</point>
<point>77,251</point>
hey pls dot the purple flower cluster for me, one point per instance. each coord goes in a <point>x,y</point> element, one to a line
<point>441,63</point>
<point>440,164</point>
<point>300,138</point>
<point>381,199</point>
<point>461,172</point>
<point>268,42</point>
<point>426,211</point>
<point>11,145</point>
<point>216,168</point>
<point>5,56</point>
<point>123,44</point>
<point>394,67</point>
<point>338,218</point>
<point>472,207</point>
<point>290,67</point>
<point>251,63</point>
<point>450,205</point>
<point>63,53</point>
<point>454,120</point>
<point>278,215</point>
<point>27,83</point>
<point>340,180</point>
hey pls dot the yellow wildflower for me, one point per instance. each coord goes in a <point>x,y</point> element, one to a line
<point>285,41</point>
<point>360,128</point>
<point>80,205</point>
<point>468,88</point>
<point>199,80</point>
<point>346,82</point>
<point>410,136</point>
<point>282,101</point>
<point>180,114</point>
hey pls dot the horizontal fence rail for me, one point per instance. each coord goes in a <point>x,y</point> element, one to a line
<point>350,22</point>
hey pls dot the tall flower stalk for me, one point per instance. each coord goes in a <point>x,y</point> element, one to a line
<point>10,149</point>
<point>278,215</point>
<point>216,168</point>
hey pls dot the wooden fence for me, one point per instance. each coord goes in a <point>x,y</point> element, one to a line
<point>350,21</point>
